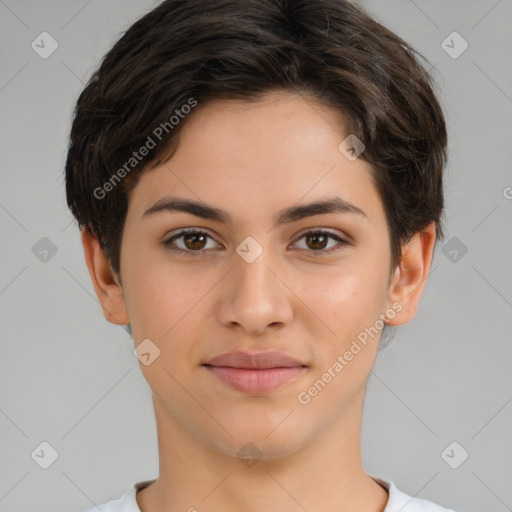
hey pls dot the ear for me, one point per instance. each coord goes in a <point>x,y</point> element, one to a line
<point>411,275</point>
<point>109,292</point>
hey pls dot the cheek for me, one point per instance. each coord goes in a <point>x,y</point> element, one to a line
<point>345,299</point>
<point>348,303</point>
<point>158,293</point>
<point>350,306</point>
<point>170,306</point>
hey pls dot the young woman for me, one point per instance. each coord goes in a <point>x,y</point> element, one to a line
<point>259,188</point>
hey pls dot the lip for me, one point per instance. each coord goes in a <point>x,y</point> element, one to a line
<point>255,372</point>
<point>255,360</point>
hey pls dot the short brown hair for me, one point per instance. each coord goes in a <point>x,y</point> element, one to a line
<point>199,50</point>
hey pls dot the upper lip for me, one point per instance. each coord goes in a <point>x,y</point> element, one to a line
<point>254,360</point>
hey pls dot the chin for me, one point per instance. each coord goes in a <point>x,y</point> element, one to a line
<point>260,442</point>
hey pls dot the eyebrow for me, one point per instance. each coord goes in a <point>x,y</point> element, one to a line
<point>285,216</point>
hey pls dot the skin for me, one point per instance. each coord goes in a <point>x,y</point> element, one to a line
<point>252,160</point>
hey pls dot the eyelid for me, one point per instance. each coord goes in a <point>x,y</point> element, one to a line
<point>177,234</point>
<point>336,234</point>
<point>342,240</point>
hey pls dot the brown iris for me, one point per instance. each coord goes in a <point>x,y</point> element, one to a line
<point>316,236</point>
<point>193,237</point>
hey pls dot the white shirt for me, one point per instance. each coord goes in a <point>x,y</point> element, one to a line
<point>397,501</point>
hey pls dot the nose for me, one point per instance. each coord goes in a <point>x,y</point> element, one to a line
<point>257,295</point>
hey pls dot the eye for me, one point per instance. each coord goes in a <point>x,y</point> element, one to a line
<point>194,240</point>
<point>318,239</point>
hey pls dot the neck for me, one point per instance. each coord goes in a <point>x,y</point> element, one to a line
<point>325,474</point>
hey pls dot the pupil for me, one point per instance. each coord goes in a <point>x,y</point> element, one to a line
<point>316,236</point>
<point>189,236</point>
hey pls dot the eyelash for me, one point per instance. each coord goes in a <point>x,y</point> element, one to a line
<point>193,231</point>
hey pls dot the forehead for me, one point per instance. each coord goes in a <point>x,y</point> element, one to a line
<point>249,157</point>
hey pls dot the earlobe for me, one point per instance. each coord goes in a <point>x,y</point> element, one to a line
<point>411,275</point>
<point>108,290</point>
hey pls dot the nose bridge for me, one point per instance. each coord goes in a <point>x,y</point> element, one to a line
<point>257,297</point>
<point>254,279</point>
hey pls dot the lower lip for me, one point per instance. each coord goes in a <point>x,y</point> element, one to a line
<point>255,381</point>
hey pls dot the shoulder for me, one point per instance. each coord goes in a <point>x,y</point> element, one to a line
<point>399,501</point>
<point>126,503</point>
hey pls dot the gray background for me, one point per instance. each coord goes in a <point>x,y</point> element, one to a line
<point>70,378</point>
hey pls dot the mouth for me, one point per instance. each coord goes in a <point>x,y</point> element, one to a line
<point>256,372</point>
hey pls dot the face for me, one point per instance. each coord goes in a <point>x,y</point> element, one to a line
<point>255,279</point>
